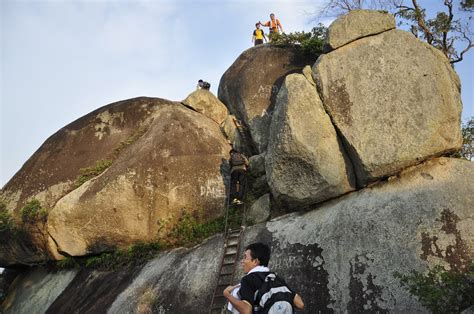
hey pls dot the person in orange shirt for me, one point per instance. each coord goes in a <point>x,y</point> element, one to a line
<point>274,25</point>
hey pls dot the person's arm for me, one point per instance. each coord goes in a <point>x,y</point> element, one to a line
<point>242,306</point>
<point>267,24</point>
<point>253,36</point>
<point>298,302</point>
<point>279,25</point>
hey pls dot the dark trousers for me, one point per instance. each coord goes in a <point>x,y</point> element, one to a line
<point>238,181</point>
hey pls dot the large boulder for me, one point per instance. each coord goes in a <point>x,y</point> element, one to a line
<point>305,162</point>
<point>164,158</point>
<point>51,172</point>
<point>357,24</point>
<point>54,169</point>
<point>174,166</point>
<point>249,87</point>
<point>203,101</point>
<point>394,99</point>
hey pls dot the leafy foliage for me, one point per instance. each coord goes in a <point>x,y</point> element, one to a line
<point>191,229</point>
<point>91,172</point>
<point>135,255</point>
<point>129,141</point>
<point>32,212</point>
<point>467,131</point>
<point>441,291</point>
<point>6,219</point>
<point>308,44</point>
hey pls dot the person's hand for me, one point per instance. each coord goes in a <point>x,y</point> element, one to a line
<point>228,290</point>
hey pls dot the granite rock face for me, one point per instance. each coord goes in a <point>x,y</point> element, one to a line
<point>394,100</point>
<point>305,162</point>
<point>174,166</point>
<point>164,158</point>
<point>339,256</point>
<point>249,87</point>
<point>203,101</point>
<point>358,24</point>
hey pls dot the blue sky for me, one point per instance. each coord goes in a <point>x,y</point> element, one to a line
<point>62,59</point>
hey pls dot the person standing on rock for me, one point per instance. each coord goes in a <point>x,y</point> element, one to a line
<point>274,25</point>
<point>203,85</point>
<point>247,297</point>
<point>258,35</point>
<point>238,176</point>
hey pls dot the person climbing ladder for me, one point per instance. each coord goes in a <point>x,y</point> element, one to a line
<point>238,172</point>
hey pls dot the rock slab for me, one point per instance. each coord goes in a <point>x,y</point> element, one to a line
<point>394,100</point>
<point>358,24</point>
<point>305,163</point>
<point>250,85</point>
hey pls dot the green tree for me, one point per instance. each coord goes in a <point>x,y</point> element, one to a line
<point>467,131</point>
<point>443,30</point>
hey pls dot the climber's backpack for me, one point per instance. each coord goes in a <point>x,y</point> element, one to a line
<point>236,159</point>
<point>274,296</point>
<point>206,85</point>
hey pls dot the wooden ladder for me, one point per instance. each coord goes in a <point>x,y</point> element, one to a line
<point>228,265</point>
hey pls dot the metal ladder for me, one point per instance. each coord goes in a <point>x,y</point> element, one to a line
<point>233,239</point>
<point>227,269</point>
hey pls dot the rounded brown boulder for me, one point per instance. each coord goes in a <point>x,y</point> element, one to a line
<point>249,87</point>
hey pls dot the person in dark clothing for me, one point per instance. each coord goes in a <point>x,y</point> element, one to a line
<point>203,85</point>
<point>238,176</point>
<point>254,262</point>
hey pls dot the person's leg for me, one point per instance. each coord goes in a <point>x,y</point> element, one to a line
<point>233,185</point>
<point>242,185</point>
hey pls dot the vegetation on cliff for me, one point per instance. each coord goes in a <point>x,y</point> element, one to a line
<point>308,43</point>
<point>441,290</point>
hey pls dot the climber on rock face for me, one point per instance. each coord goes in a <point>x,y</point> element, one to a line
<point>238,180</point>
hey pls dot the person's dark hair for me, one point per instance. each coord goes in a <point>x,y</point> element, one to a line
<point>256,24</point>
<point>200,81</point>
<point>261,251</point>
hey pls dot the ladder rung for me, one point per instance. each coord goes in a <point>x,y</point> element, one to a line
<point>233,242</point>
<point>227,273</point>
<point>231,251</point>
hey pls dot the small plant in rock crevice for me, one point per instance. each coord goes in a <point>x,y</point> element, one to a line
<point>91,172</point>
<point>192,228</point>
<point>135,255</point>
<point>441,290</point>
<point>34,217</point>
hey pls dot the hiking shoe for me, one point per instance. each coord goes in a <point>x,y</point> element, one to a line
<point>239,202</point>
<point>235,201</point>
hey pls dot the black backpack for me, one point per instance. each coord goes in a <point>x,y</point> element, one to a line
<point>274,296</point>
<point>206,85</point>
<point>236,159</point>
